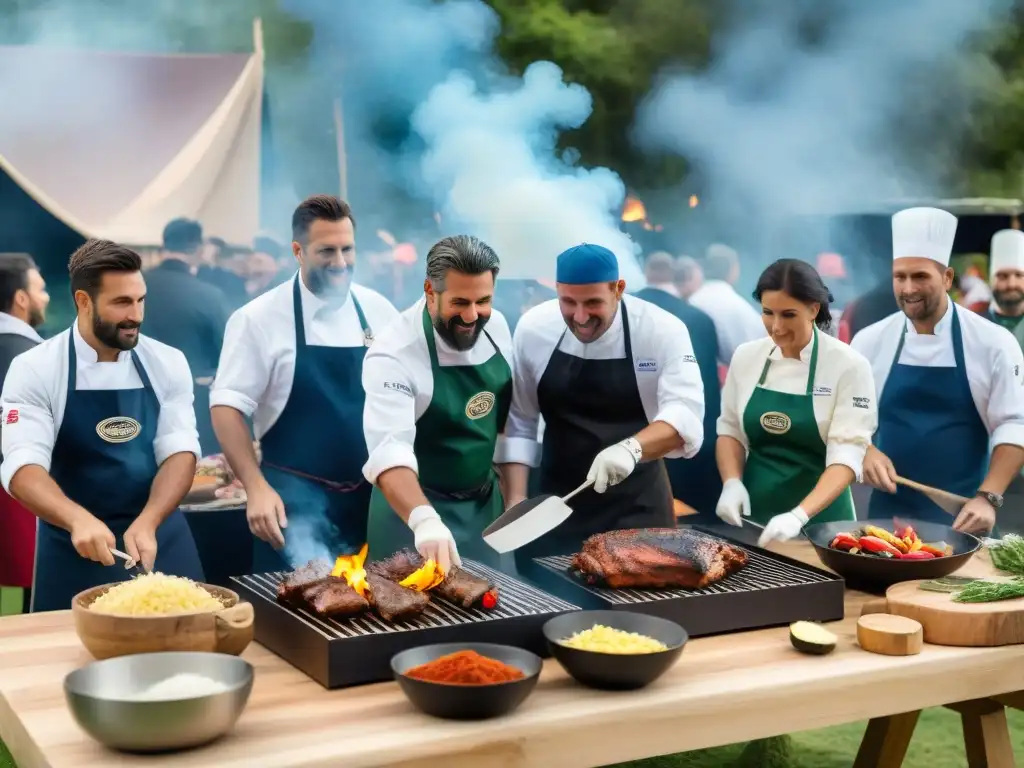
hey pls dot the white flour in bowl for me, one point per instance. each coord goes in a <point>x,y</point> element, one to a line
<point>182,686</point>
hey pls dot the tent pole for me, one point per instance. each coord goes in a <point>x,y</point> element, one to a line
<point>339,135</point>
<point>257,36</point>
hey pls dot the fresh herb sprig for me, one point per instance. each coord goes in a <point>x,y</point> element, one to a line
<point>990,591</point>
<point>1008,554</point>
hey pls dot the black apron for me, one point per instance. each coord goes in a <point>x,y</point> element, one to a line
<point>99,464</point>
<point>314,453</point>
<point>587,406</point>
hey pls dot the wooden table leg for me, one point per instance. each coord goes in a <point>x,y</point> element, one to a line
<point>886,741</point>
<point>986,734</point>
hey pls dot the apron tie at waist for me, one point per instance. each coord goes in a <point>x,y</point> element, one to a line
<point>472,494</point>
<point>338,487</point>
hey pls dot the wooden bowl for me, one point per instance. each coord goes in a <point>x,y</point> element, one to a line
<point>105,636</point>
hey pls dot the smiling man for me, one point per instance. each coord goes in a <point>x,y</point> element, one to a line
<point>292,362</point>
<point>618,387</point>
<point>99,437</point>
<point>950,385</point>
<point>1006,271</point>
<point>438,389</point>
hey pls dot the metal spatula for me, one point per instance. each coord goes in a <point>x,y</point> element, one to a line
<point>950,503</point>
<point>528,520</point>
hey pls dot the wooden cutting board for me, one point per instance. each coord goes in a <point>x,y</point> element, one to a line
<point>963,624</point>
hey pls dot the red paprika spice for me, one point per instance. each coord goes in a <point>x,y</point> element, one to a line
<point>465,668</point>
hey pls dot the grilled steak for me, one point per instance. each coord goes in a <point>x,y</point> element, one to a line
<point>335,599</point>
<point>291,588</point>
<point>394,602</point>
<point>656,558</point>
<point>460,586</point>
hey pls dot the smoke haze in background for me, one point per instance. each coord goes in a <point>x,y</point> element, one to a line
<point>482,148</point>
<point>777,127</point>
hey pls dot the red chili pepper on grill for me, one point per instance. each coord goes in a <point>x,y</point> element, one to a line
<point>875,544</point>
<point>919,554</point>
<point>489,600</point>
<point>843,542</point>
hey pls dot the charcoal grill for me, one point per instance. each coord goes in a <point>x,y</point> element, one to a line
<point>771,590</point>
<point>355,651</point>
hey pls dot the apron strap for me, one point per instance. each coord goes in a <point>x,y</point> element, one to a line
<point>810,373</point>
<point>300,325</point>
<point>73,366</point>
<point>958,340</point>
<point>625,332</point>
<point>363,322</point>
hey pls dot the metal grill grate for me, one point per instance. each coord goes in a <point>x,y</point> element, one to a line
<point>515,600</point>
<point>760,573</point>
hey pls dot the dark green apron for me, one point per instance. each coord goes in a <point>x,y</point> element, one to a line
<point>787,455</point>
<point>455,439</point>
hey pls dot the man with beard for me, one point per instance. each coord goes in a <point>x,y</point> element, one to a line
<point>99,437</point>
<point>438,389</point>
<point>949,385</point>
<point>292,362</point>
<point>1006,273</point>
<point>618,386</point>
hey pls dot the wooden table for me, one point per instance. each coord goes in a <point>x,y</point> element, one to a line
<point>724,690</point>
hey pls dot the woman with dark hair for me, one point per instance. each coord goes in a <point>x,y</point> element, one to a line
<point>798,412</point>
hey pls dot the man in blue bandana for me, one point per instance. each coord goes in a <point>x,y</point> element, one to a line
<point>617,385</point>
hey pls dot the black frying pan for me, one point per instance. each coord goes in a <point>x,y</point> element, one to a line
<point>876,573</point>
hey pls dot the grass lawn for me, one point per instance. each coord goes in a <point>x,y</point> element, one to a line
<point>938,743</point>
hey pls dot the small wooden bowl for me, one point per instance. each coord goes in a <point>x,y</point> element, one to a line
<point>105,636</point>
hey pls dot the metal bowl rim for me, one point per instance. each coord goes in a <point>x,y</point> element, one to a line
<point>249,675</point>
<point>669,649</point>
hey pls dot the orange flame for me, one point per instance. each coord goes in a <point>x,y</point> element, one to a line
<point>350,568</point>
<point>426,577</point>
<point>633,210</point>
<point>694,201</point>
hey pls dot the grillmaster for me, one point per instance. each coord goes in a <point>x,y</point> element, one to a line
<point>438,385</point>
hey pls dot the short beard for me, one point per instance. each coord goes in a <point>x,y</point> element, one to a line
<point>456,340</point>
<point>108,333</point>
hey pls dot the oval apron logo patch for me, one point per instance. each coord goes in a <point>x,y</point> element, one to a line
<point>775,422</point>
<point>118,429</point>
<point>480,405</point>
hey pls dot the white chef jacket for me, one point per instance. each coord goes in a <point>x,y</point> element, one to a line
<point>992,356</point>
<point>666,371</point>
<point>257,361</point>
<point>735,319</point>
<point>399,384</point>
<point>36,390</point>
<point>845,406</point>
<point>13,326</point>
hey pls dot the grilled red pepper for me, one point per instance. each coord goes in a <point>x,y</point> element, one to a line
<point>919,554</point>
<point>874,544</point>
<point>843,542</point>
<point>489,600</point>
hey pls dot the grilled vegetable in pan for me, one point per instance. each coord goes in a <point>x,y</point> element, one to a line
<point>903,543</point>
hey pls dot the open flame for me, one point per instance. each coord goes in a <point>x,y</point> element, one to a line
<point>694,201</point>
<point>633,211</point>
<point>426,577</point>
<point>350,568</point>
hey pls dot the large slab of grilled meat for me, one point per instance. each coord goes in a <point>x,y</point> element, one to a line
<point>656,558</point>
<point>460,586</point>
<point>312,587</point>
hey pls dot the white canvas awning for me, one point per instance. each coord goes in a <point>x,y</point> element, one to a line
<point>115,145</point>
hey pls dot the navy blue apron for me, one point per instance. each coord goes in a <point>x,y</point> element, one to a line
<point>313,455</point>
<point>929,427</point>
<point>110,479</point>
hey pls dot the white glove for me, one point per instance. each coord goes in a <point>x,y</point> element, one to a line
<point>433,539</point>
<point>784,527</point>
<point>733,502</point>
<point>613,465</point>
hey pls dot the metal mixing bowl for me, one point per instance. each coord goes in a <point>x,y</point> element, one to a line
<point>101,698</point>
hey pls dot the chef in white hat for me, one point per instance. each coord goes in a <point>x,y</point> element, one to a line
<point>1006,275</point>
<point>949,384</point>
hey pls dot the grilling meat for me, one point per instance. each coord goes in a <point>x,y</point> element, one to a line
<point>656,558</point>
<point>394,602</point>
<point>333,598</point>
<point>290,590</point>
<point>460,586</point>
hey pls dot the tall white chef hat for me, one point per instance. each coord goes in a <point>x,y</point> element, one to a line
<point>923,233</point>
<point>1007,251</point>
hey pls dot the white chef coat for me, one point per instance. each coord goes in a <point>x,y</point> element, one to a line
<point>257,361</point>
<point>735,319</point>
<point>992,356</point>
<point>666,371</point>
<point>13,326</point>
<point>399,384</point>
<point>36,388</point>
<point>845,406</point>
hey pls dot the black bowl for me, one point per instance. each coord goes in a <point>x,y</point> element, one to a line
<point>615,671</point>
<point>877,573</point>
<point>467,702</point>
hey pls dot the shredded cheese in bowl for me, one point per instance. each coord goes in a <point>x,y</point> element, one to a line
<point>155,594</point>
<point>602,639</point>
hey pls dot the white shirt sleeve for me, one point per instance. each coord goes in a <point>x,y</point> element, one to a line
<point>521,445</point>
<point>730,419</point>
<point>681,390</point>
<point>176,428</point>
<point>243,373</point>
<point>389,414</point>
<point>1006,399</point>
<point>28,431</point>
<point>854,418</point>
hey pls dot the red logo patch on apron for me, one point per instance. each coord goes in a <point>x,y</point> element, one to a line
<point>12,416</point>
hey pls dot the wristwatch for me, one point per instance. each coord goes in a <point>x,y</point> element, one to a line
<point>632,445</point>
<point>992,498</point>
